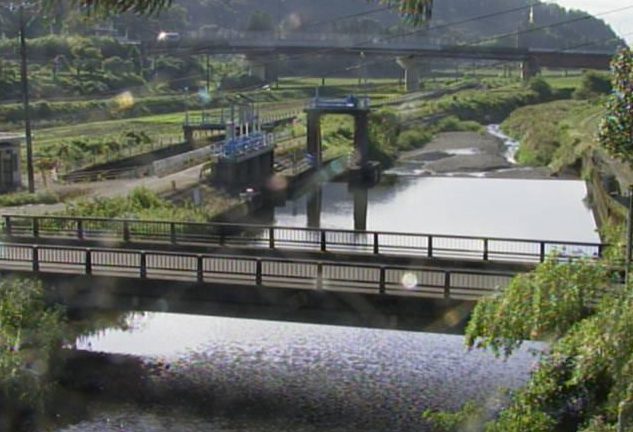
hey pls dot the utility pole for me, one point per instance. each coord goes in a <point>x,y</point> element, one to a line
<point>27,107</point>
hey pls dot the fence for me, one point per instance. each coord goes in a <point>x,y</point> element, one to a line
<point>265,272</point>
<point>307,239</point>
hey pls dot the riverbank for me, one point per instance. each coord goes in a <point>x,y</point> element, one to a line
<point>479,154</point>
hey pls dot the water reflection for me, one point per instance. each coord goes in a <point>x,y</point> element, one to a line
<point>232,374</point>
<point>508,208</point>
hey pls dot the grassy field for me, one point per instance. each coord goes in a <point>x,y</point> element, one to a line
<point>105,139</point>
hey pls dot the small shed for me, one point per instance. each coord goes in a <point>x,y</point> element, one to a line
<point>10,174</point>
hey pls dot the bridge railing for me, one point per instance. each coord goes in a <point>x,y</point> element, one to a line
<point>265,272</point>
<point>292,238</point>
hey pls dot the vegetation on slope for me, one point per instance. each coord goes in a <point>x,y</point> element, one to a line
<point>142,203</point>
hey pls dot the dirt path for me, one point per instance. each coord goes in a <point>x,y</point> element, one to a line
<point>112,188</point>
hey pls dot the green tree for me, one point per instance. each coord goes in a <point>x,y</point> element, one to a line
<point>260,21</point>
<point>616,128</point>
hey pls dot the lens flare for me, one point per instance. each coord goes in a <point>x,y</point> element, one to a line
<point>124,101</point>
<point>409,280</point>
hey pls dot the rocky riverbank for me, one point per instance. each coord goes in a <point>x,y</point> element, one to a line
<point>478,154</point>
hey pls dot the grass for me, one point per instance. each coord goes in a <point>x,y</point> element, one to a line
<point>24,198</point>
<point>555,134</point>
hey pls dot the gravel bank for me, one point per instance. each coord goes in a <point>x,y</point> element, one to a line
<point>467,153</point>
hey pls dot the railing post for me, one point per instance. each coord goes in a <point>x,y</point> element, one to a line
<point>222,239</point>
<point>485,249</point>
<point>258,272</point>
<point>382,287</point>
<point>126,231</point>
<point>319,281</point>
<point>143,269</point>
<point>542,252</point>
<point>429,247</point>
<point>172,232</point>
<point>376,246</point>
<point>447,285</point>
<point>36,227</point>
<point>88,261</point>
<point>271,237</point>
<point>7,225</point>
<point>200,268</point>
<point>80,229</point>
<point>35,258</point>
<point>323,241</point>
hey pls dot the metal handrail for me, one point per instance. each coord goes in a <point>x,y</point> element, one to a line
<point>274,236</point>
<point>136,263</point>
<point>306,229</point>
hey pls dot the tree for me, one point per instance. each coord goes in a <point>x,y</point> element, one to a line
<point>260,21</point>
<point>616,129</point>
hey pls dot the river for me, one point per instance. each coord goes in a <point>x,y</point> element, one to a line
<point>207,373</point>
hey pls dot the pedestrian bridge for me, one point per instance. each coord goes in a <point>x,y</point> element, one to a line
<point>272,267</point>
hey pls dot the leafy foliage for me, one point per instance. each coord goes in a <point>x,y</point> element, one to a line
<point>540,305</point>
<point>616,129</point>
<point>30,332</point>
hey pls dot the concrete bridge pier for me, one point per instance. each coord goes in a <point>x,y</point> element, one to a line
<point>314,137</point>
<point>360,208</point>
<point>314,205</point>
<point>412,71</point>
<point>361,137</point>
<point>530,68</point>
<point>263,68</point>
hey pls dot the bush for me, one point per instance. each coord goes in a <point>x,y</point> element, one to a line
<point>413,138</point>
<point>593,84</point>
<point>541,87</point>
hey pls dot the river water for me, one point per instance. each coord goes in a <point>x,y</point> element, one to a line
<point>220,374</point>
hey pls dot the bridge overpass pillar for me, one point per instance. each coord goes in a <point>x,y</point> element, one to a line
<point>314,137</point>
<point>315,202</point>
<point>411,73</point>
<point>263,68</point>
<point>361,137</point>
<point>360,208</point>
<point>529,68</point>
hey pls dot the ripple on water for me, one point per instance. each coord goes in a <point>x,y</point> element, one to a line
<point>230,374</point>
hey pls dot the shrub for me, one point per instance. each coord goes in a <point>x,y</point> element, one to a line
<point>593,84</point>
<point>413,138</point>
<point>541,87</point>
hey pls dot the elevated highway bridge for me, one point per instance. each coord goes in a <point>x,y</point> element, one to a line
<point>262,48</point>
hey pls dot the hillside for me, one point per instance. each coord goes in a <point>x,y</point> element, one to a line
<point>325,15</point>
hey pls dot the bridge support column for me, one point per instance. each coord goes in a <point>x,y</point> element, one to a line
<point>360,208</point>
<point>361,138</point>
<point>263,68</point>
<point>529,69</point>
<point>314,137</point>
<point>315,202</point>
<point>411,73</point>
